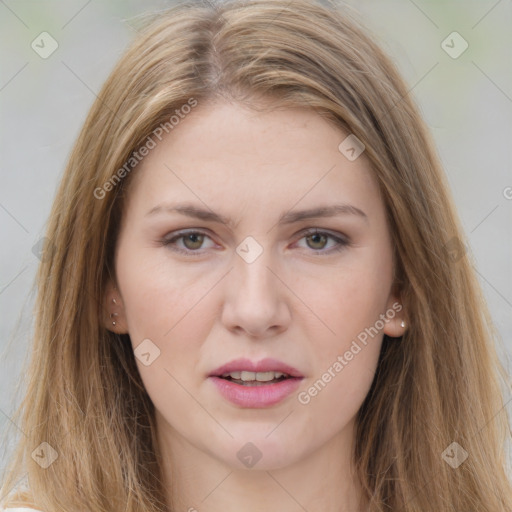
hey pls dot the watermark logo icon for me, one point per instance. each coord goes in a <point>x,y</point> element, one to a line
<point>454,455</point>
<point>44,45</point>
<point>249,249</point>
<point>454,45</point>
<point>146,352</point>
<point>43,248</point>
<point>351,147</point>
<point>38,248</point>
<point>45,455</point>
<point>455,249</point>
<point>249,455</point>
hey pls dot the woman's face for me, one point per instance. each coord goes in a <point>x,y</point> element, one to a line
<point>217,260</point>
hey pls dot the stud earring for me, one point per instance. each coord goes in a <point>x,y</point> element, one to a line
<point>402,324</point>
<point>112,315</point>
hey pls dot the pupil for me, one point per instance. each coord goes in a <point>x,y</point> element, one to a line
<point>315,238</point>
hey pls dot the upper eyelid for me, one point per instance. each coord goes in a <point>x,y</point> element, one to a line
<point>207,232</point>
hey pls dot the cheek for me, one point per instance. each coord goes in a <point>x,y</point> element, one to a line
<point>347,360</point>
<point>352,301</point>
<point>336,394</point>
<point>171,306</point>
<point>166,313</point>
<point>159,298</point>
<point>346,355</point>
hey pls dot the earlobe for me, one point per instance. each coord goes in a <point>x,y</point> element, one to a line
<point>395,328</point>
<point>396,324</point>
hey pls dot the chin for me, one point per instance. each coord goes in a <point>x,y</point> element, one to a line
<point>255,451</point>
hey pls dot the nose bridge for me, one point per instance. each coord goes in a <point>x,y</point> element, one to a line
<point>254,300</point>
<point>252,275</point>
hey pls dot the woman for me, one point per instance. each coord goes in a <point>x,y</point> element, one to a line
<point>254,288</point>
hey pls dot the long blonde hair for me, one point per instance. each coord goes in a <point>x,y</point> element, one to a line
<point>439,384</point>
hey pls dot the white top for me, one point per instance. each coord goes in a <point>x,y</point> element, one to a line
<point>24,509</point>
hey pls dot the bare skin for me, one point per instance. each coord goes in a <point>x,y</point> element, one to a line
<point>301,301</point>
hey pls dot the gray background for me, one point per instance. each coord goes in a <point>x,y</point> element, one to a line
<point>467,103</point>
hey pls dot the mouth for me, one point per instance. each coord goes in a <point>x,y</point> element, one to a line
<point>262,371</point>
<point>256,385</point>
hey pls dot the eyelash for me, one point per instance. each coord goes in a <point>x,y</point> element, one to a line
<point>342,242</point>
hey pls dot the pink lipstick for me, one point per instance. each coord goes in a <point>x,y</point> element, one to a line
<point>256,385</point>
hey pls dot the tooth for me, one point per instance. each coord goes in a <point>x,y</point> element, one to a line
<point>254,376</point>
<point>264,376</point>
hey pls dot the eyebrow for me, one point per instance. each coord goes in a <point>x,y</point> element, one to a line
<point>289,217</point>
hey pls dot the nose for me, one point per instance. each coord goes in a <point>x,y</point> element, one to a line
<point>256,300</point>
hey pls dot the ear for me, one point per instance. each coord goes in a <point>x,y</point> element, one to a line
<point>396,324</point>
<point>114,317</point>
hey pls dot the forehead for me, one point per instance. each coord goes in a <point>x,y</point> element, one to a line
<point>224,154</point>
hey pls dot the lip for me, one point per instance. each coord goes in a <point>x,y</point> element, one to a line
<point>257,396</point>
<point>265,365</point>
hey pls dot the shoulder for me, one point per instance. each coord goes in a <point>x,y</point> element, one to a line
<point>19,500</point>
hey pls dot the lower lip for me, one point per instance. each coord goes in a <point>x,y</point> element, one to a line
<point>256,396</point>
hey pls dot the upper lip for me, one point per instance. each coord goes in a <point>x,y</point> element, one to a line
<point>265,365</point>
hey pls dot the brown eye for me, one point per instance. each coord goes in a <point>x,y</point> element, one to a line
<point>319,241</point>
<point>193,240</point>
<point>188,242</point>
<point>324,242</point>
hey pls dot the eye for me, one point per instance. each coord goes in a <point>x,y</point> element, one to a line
<point>191,241</point>
<point>318,240</point>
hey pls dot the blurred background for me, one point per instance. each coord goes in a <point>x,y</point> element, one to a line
<point>55,56</point>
